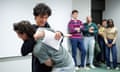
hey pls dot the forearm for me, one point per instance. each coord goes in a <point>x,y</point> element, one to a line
<point>38,34</point>
<point>114,40</point>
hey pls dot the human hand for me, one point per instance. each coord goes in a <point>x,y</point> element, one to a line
<point>109,45</point>
<point>77,29</point>
<point>58,35</point>
<point>91,29</point>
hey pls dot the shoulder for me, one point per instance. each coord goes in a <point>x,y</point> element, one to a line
<point>47,25</point>
<point>115,28</point>
<point>93,23</point>
<point>85,23</point>
<point>70,21</point>
<point>80,21</point>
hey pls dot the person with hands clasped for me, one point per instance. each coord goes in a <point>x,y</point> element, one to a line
<point>110,37</point>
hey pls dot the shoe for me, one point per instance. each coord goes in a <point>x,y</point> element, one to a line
<point>108,68</point>
<point>76,68</point>
<point>84,68</point>
<point>92,66</point>
<point>117,68</point>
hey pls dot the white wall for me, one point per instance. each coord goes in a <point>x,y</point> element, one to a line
<point>13,11</point>
<point>112,11</point>
<point>16,64</point>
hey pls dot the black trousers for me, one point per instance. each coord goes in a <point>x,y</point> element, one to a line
<point>37,67</point>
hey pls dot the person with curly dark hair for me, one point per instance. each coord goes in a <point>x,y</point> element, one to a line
<point>25,31</point>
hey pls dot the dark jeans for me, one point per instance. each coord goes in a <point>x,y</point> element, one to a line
<point>78,43</point>
<point>114,55</point>
<point>102,47</point>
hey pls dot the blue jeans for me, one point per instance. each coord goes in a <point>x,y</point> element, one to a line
<point>78,43</point>
<point>69,68</point>
<point>114,54</point>
<point>89,46</point>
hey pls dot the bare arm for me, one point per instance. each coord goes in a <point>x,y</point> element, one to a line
<point>39,34</point>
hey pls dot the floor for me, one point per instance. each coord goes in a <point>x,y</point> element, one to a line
<point>102,68</point>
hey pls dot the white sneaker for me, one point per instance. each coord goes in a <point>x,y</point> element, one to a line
<point>92,66</point>
<point>117,68</point>
<point>108,68</point>
<point>76,68</point>
<point>84,68</point>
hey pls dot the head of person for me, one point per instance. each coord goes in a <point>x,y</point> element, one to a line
<point>104,23</point>
<point>110,23</point>
<point>89,19</point>
<point>41,13</point>
<point>24,30</point>
<point>74,14</point>
<point>98,25</point>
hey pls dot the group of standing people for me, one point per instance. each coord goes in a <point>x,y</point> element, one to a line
<point>83,36</point>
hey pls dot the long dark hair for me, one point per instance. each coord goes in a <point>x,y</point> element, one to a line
<point>24,27</point>
<point>110,23</point>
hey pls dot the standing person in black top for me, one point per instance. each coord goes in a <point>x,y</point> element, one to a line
<point>41,14</point>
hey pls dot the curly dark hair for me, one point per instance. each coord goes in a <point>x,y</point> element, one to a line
<point>41,9</point>
<point>24,27</point>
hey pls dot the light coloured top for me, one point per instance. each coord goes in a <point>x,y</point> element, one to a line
<point>101,31</point>
<point>110,33</point>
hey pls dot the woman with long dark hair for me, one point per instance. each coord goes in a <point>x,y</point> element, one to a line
<point>110,37</point>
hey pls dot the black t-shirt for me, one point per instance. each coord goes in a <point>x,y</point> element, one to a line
<point>27,46</point>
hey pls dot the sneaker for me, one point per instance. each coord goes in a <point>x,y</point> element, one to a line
<point>108,68</point>
<point>92,66</point>
<point>117,68</point>
<point>76,68</point>
<point>86,68</point>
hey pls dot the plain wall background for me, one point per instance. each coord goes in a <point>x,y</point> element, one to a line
<point>13,11</point>
<point>112,11</point>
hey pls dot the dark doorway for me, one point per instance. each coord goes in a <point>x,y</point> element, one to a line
<point>98,6</point>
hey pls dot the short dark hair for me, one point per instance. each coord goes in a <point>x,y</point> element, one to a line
<point>104,20</point>
<point>108,23</point>
<point>74,11</point>
<point>24,27</point>
<point>41,9</point>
